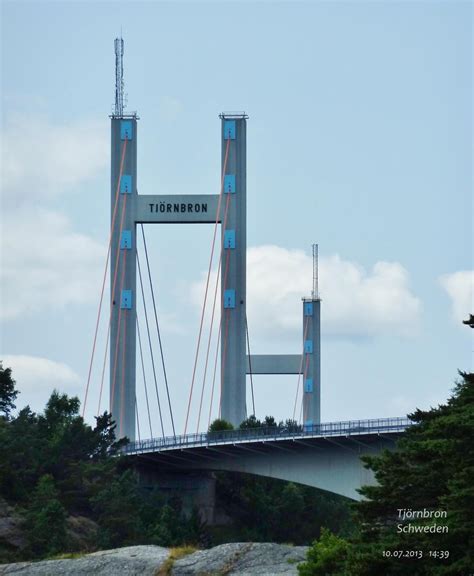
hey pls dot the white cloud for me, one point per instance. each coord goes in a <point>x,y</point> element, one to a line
<point>41,159</point>
<point>46,264</point>
<point>460,288</point>
<point>356,303</point>
<point>37,377</point>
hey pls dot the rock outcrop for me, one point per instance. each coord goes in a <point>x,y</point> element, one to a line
<point>11,527</point>
<point>237,559</point>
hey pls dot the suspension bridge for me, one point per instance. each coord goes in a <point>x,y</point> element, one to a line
<point>326,456</point>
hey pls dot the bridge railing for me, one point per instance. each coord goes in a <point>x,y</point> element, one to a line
<point>345,428</point>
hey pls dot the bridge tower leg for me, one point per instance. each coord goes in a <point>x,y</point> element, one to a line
<point>123,276</point>
<point>233,270</point>
<point>312,362</point>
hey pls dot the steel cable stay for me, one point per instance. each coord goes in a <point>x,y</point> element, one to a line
<point>138,419</point>
<point>144,377</point>
<point>114,214</point>
<point>224,314</point>
<point>213,311</point>
<point>158,330</point>
<point>207,284</point>
<point>226,332</point>
<point>215,371</point>
<point>208,346</point>
<point>150,345</point>
<point>250,363</point>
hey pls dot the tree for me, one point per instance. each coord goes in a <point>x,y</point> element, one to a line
<point>431,470</point>
<point>250,422</point>
<point>46,519</point>
<point>118,508</point>
<point>325,556</point>
<point>219,425</point>
<point>8,393</point>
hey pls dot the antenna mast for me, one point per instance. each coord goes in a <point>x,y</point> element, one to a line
<point>315,290</point>
<point>119,86</point>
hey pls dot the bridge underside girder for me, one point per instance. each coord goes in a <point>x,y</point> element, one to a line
<point>331,464</point>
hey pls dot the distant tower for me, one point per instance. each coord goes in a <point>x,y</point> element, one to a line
<point>118,112</point>
<point>312,351</point>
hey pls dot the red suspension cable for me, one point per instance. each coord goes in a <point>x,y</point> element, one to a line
<point>117,339</point>
<point>305,409</point>
<point>213,310</point>
<point>224,312</point>
<point>207,284</point>
<point>214,375</point>
<point>124,148</point>
<point>124,358</point>
<point>103,370</point>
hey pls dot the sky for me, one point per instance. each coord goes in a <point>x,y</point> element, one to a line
<point>359,139</point>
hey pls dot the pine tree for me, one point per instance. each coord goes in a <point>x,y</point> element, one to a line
<point>8,393</point>
<point>46,520</point>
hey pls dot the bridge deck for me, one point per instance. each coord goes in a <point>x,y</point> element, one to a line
<point>273,434</point>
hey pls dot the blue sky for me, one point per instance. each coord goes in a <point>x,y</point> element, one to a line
<point>359,138</point>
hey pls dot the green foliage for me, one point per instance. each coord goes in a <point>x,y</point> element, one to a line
<point>8,393</point>
<point>117,506</point>
<point>46,519</point>
<point>172,529</point>
<point>250,422</point>
<point>219,425</point>
<point>325,556</point>
<point>270,510</point>
<point>53,465</point>
<point>288,425</point>
<point>431,469</point>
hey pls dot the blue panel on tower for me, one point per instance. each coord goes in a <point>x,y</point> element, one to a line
<point>308,426</point>
<point>229,298</point>
<point>229,184</point>
<point>126,240</point>
<point>308,385</point>
<point>229,130</point>
<point>126,130</point>
<point>126,300</point>
<point>308,346</point>
<point>308,308</point>
<point>229,239</point>
<point>126,184</point>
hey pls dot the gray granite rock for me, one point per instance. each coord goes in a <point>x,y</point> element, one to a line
<point>239,559</point>
<point>131,561</point>
<point>242,559</point>
<point>11,527</point>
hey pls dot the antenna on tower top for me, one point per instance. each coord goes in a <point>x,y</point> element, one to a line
<point>119,85</point>
<point>315,290</point>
